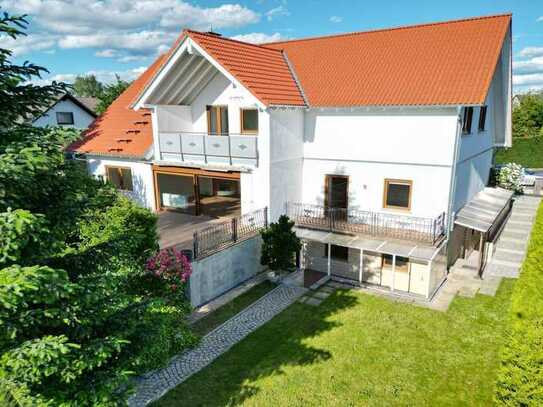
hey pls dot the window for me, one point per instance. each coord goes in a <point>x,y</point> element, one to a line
<point>249,121</point>
<point>402,263</point>
<point>482,118</point>
<point>121,177</point>
<point>340,253</point>
<point>397,194</point>
<point>217,120</point>
<point>466,120</point>
<point>65,118</point>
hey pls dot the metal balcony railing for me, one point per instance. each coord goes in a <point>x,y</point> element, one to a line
<point>379,224</point>
<point>229,149</point>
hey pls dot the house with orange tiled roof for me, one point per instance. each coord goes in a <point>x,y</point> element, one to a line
<point>379,144</point>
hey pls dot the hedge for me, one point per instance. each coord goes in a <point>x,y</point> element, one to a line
<point>520,380</point>
<point>527,152</point>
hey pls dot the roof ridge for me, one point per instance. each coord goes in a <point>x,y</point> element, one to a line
<point>261,46</point>
<point>400,27</point>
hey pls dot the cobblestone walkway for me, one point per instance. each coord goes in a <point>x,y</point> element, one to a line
<point>153,385</point>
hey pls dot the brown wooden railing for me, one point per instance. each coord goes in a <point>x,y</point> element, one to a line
<point>217,237</point>
<point>343,220</point>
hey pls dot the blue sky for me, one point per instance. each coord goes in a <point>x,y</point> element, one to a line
<point>105,37</point>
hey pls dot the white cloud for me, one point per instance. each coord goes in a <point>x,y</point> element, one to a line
<point>336,19</point>
<point>258,38</point>
<point>101,75</point>
<point>535,79</point>
<point>530,66</point>
<point>540,18</point>
<point>29,43</point>
<point>531,52</point>
<point>107,53</point>
<point>129,27</point>
<point>277,12</point>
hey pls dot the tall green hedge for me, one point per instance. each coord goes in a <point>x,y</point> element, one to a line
<point>520,381</point>
<point>527,152</point>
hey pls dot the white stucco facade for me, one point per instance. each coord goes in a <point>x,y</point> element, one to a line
<point>298,147</point>
<point>82,119</point>
<point>142,177</point>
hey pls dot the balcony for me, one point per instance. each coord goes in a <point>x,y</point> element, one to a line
<point>228,150</point>
<point>352,221</point>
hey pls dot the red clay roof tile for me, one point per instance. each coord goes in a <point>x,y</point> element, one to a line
<point>109,133</point>
<point>445,63</point>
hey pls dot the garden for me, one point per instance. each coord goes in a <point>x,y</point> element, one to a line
<point>86,299</point>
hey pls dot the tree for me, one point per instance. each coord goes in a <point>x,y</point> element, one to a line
<point>528,115</point>
<point>110,93</point>
<point>88,86</point>
<point>279,245</point>
<point>79,313</point>
<point>19,98</point>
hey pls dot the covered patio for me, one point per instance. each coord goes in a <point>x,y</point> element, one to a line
<point>398,266</point>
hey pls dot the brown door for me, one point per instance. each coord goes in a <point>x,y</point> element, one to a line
<point>337,195</point>
<point>217,120</point>
<point>337,191</point>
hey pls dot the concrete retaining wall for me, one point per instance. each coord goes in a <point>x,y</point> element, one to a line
<point>222,271</point>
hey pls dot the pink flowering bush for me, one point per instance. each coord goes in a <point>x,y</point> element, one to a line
<point>171,266</point>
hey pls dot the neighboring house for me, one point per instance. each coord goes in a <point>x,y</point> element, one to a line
<point>68,111</point>
<point>385,135</point>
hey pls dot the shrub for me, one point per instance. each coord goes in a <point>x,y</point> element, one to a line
<point>279,245</point>
<point>510,177</point>
<point>520,381</point>
<point>160,333</point>
<point>170,266</point>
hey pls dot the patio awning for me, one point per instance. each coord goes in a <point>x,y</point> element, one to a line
<point>481,212</point>
<point>403,249</point>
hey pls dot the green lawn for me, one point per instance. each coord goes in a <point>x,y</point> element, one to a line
<point>227,311</point>
<point>526,152</point>
<point>358,349</point>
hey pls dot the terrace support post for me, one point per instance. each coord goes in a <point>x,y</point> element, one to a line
<point>361,272</point>
<point>329,269</point>
<point>234,229</point>
<point>195,244</point>
<point>265,217</point>
<point>393,272</point>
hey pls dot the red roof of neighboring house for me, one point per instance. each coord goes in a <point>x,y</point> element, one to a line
<point>120,130</point>
<point>447,63</point>
<point>262,70</point>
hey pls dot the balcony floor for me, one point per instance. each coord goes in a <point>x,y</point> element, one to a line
<point>176,229</point>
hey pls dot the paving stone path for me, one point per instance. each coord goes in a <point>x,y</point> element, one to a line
<point>153,385</point>
<point>507,260</point>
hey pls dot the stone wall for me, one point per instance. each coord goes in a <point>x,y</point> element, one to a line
<point>216,274</point>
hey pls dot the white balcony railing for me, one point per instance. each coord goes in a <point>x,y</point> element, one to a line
<point>203,148</point>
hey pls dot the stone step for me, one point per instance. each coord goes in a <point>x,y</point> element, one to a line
<point>502,271</point>
<point>511,244</point>
<point>519,223</point>
<point>507,263</point>
<point>513,236</point>
<point>490,286</point>
<point>509,255</point>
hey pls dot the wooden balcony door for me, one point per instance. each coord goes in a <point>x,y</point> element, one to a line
<point>336,194</point>
<point>217,120</point>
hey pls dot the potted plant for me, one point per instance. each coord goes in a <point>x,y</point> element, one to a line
<point>279,247</point>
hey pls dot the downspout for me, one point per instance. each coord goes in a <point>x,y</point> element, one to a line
<point>452,185</point>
